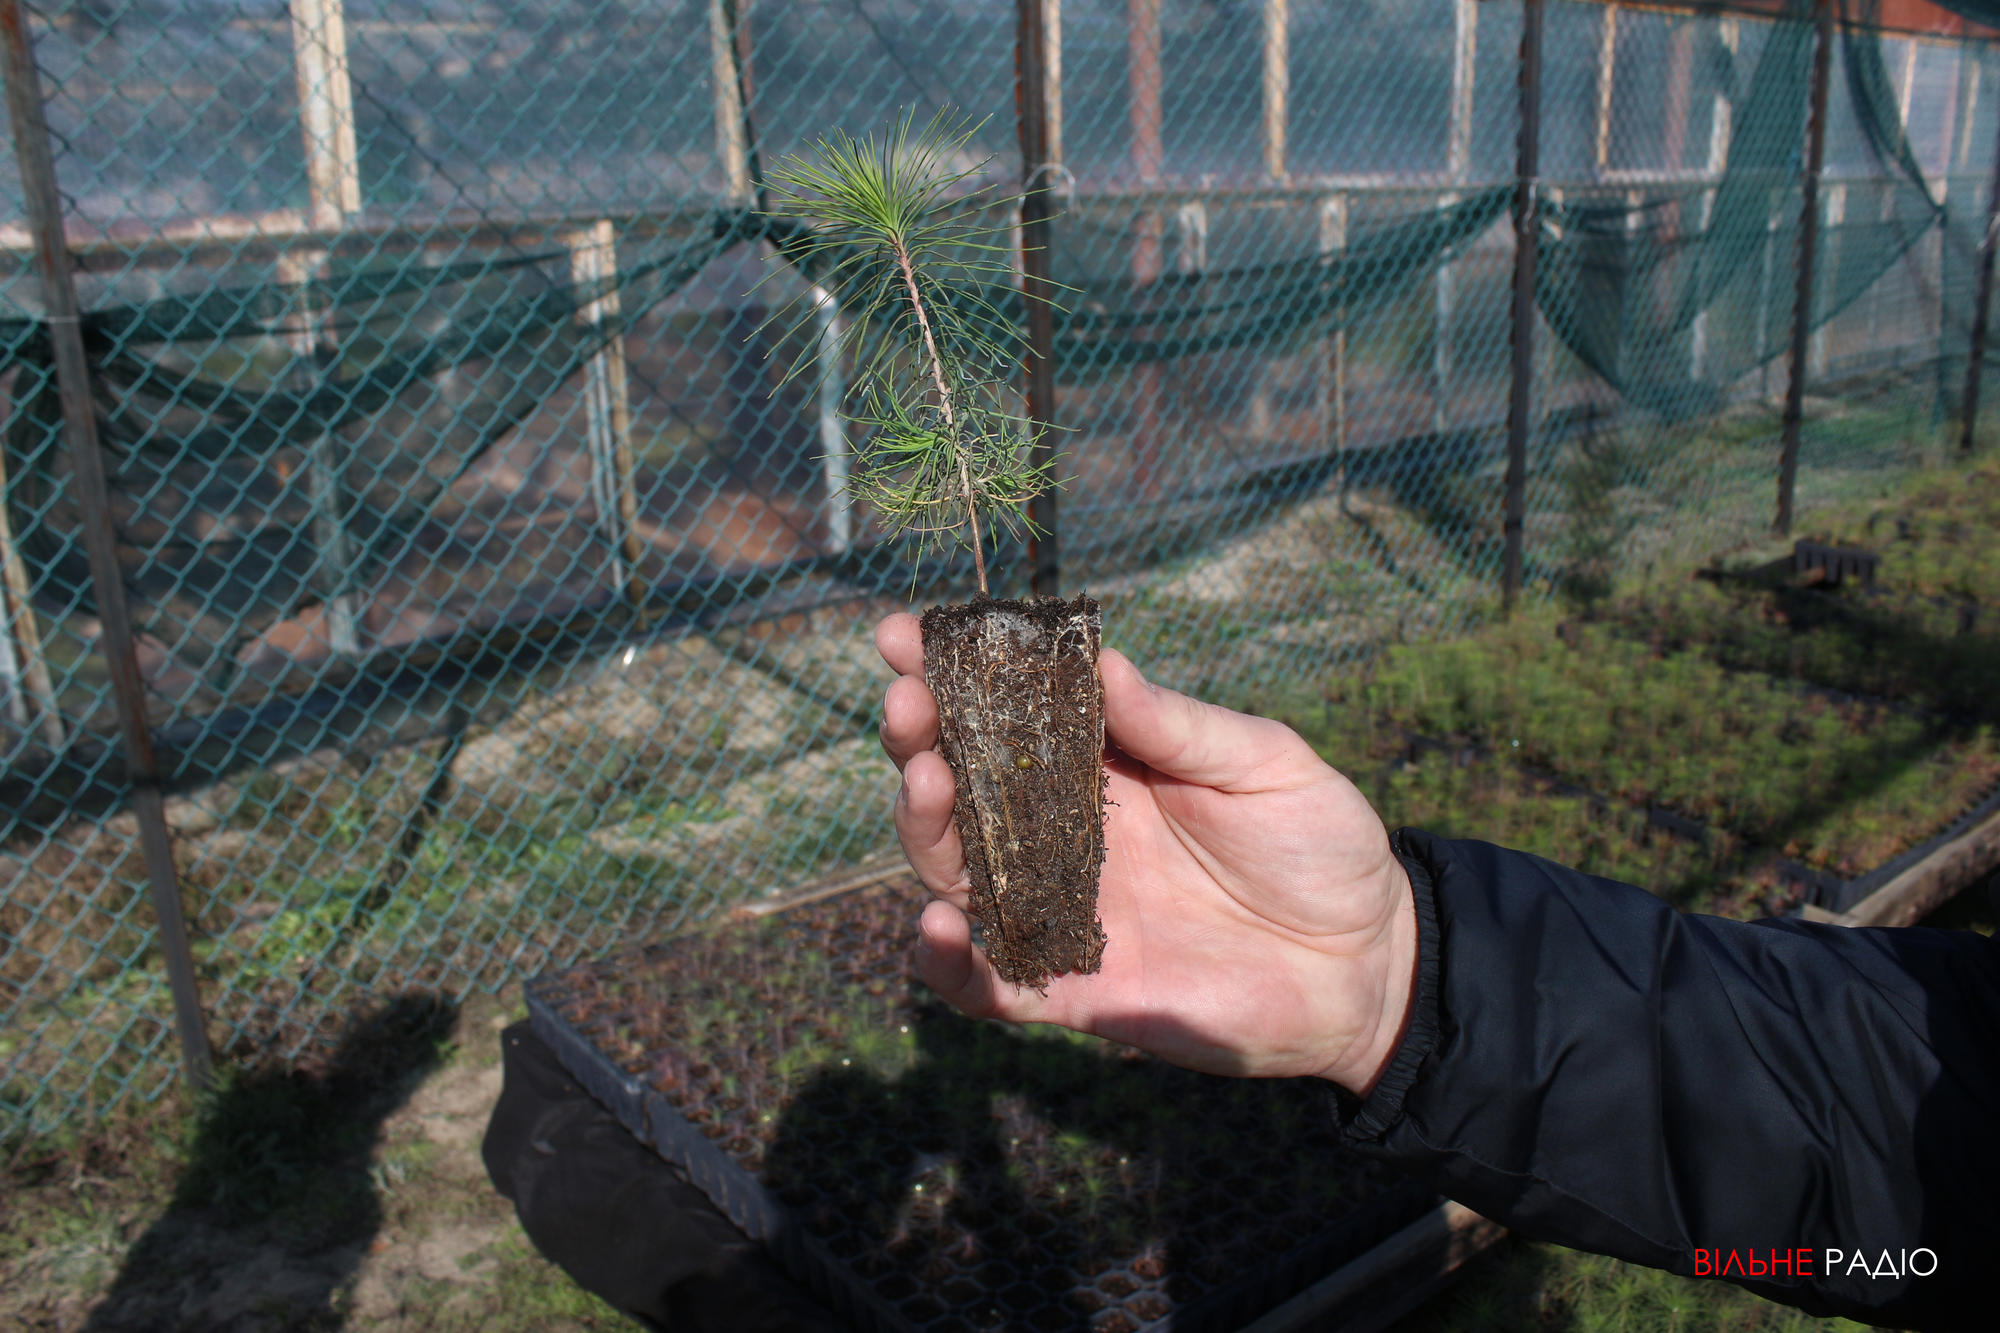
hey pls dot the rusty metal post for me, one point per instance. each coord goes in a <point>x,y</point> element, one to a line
<point>44,209</point>
<point>1039,162</point>
<point>1527,233</point>
<point>1976,354</point>
<point>1147,161</point>
<point>1802,300</point>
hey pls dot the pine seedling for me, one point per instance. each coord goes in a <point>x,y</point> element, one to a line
<point>900,232</point>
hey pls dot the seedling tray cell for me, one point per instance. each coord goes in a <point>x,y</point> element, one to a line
<point>923,1171</point>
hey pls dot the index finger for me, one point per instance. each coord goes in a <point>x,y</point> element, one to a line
<point>901,642</point>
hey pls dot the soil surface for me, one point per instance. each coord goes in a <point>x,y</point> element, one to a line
<point>1021,722</point>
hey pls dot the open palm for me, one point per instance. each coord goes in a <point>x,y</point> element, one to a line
<point>1257,922</point>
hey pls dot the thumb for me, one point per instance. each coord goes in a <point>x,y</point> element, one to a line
<point>1194,741</point>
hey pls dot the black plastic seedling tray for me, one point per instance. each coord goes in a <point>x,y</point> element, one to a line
<point>919,1170</point>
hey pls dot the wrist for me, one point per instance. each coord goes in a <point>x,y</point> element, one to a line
<point>1391,969</point>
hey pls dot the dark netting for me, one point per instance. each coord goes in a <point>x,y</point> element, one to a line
<point>209,412</point>
<point>1296,291</point>
<point>206,406</point>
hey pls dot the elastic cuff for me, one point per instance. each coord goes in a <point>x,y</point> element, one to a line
<point>1367,1119</point>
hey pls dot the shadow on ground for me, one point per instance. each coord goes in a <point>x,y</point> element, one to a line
<point>276,1205</point>
<point>1148,1190</point>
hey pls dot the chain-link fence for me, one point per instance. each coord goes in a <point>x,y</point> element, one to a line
<point>488,598</point>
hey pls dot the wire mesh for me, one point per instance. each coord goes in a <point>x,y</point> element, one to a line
<point>494,598</point>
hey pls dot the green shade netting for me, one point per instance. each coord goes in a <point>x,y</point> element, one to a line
<point>1625,285</point>
<point>198,397</point>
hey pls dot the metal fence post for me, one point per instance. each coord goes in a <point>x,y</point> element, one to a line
<point>1527,234</point>
<point>1906,77</point>
<point>1148,161</point>
<point>1277,85</point>
<point>1036,95</point>
<point>1607,68</point>
<point>607,399</point>
<point>1052,78</point>
<point>1331,364</point>
<point>1976,354</point>
<point>1458,168</point>
<point>1833,219</point>
<point>1956,133</point>
<point>312,341</point>
<point>1720,128</point>
<point>1802,299</point>
<point>732,139</point>
<point>829,393</point>
<point>326,110</point>
<point>44,209</point>
<point>333,184</point>
<point>1766,275</point>
<point>1635,209</point>
<point>24,671</point>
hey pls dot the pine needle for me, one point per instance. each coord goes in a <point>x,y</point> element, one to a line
<point>908,246</point>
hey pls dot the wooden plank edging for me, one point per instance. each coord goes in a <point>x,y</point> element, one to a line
<point>1927,885</point>
<point>1387,1282</point>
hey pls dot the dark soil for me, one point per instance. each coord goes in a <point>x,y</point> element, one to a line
<point>1021,712</point>
<point>977,1175</point>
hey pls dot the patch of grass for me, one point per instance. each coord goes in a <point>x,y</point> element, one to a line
<point>279,1195</point>
<point>93,1046</point>
<point>1937,657</point>
<point>530,1293</point>
<point>1932,530</point>
<point>1500,802</point>
<point>1840,783</point>
<point>514,1290</point>
<point>1495,796</point>
<point>1927,630</point>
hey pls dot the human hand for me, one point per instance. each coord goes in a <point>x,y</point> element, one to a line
<point>1258,923</point>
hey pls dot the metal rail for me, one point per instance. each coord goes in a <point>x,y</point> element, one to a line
<point>44,208</point>
<point>1527,235</point>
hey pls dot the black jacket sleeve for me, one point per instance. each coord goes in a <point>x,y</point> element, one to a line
<point>1589,1066</point>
